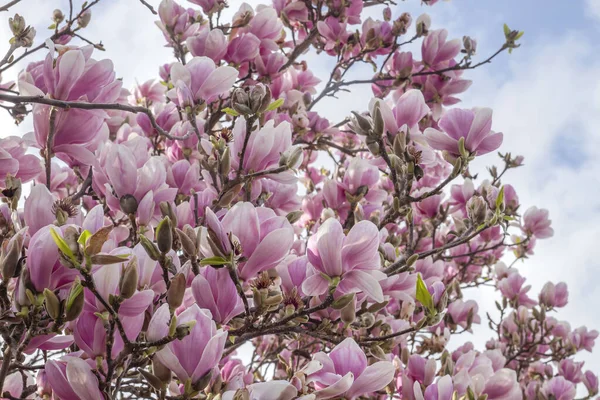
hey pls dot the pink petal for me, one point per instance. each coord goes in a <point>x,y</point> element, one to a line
<point>374,377</point>
<point>82,380</point>
<point>360,281</point>
<point>440,141</point>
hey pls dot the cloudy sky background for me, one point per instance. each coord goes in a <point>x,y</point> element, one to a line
<point>545,96</point>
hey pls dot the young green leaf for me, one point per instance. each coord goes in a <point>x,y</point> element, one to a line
<point>214,261</point>
<point>274,105</point>
<point>62,245</point>
<point>423,295</point>
<point>500,198</point>
<point>231,111</point>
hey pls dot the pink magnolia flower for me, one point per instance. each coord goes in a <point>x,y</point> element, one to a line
<point>210,43</point>
<point>409,109</point>
<point>45,271</point>
<point>536,223</point>
<point>72,379</point>
<point>435,49</point>
<point>74,76</point>
<point>554,295</point>
<point>472,125</point>
<point>177,21</point>
<point>441,390</point>
<point>345,372</point>
<point>276,389</point>
<point>460,310</point>
<point>243,48</point>
<point>262,238</point>
<point>333,31</point>
<point>214,290</point>
<point>196,354</point>
<point>292,272</point>
<point>15,162</point>
<point>202,78</point>
<point>559,388</point>
<point>127,169</point>
<point>151,91</point>
<point>264,147</point>
<point>503,385</point>
<point>590,380</point>
<point>512,288</point>
<point>353,258</point>
<point>38,210</point>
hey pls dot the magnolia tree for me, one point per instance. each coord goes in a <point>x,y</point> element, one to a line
<point>185,239</point>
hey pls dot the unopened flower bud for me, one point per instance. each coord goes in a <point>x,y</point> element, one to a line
<point>152,379</point>
<point>188,246</point>
<point>44,390</point>
<point>377,352</point>
<point>129,279</point>
<point>469,45</point>
<point>240,101</point>
<point>17,25</point>
<point>342,301</point>
<point>167,211</point>
<point>294,157</point>
<point>84,19</point>
<point>150,248</point>
<point>348,313</point>
<point>10,257</point>
<point>176,291</point>
<point>360,124</point>
<point>129,204</point>
<point>405,355</point>
<point>387,14</point>
<point>164,235</point>
<point>423,24</point>
<point>326,214</point>
<point>75,301</point>
<point>225,163</point>
<point>52,304</point>
<point>373,147</point>
<point>407,309</point>
<point>294,216</point>
<point>260,98</point>
<point>477,210</point>
<point>57,16</point>
<point>378,124</point>
<point>160,371</point>
<point>183,330</point>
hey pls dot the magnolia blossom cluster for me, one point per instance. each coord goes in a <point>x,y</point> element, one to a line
<point>184,240</point>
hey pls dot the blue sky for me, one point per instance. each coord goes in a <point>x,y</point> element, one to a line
<point>545,96</point>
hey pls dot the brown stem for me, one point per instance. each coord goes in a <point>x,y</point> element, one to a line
<point>92,106</point>
<point>49,144</point>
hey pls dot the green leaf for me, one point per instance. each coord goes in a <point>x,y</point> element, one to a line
<point>83,238</point>
<point>62,245</point>
<point>53,26</point>
<point>506,30</point>
<point>500,198</point>
<point>214,261</point>
<point>231,111</point>
<point>274,105</point>
<point>519,35</point>
<point>75,291</point>
<point>423,295</point>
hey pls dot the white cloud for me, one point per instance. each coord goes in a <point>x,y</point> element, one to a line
<point>593,8</point>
